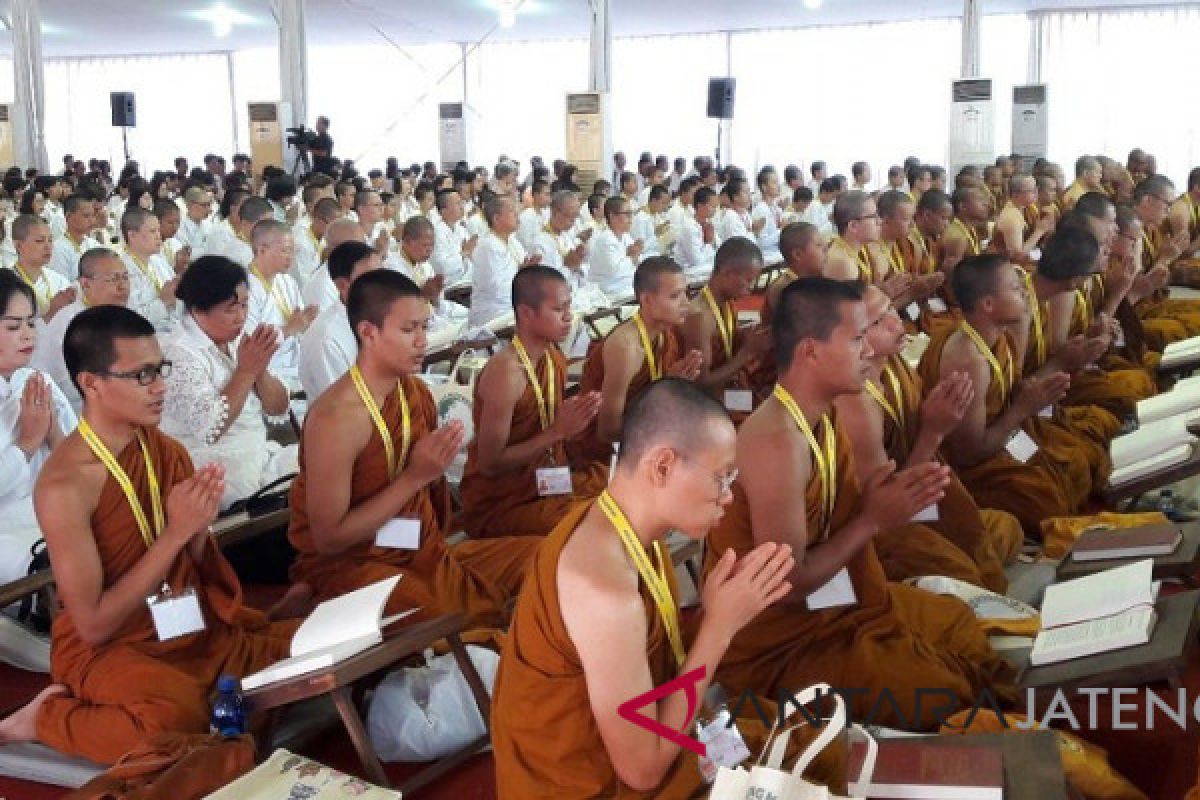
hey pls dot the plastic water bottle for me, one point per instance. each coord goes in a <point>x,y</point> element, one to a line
<point>228,711</point>
<point>1166,503</point>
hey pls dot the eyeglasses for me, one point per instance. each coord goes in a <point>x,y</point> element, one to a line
<point>724,483</point>
<point>116,279</point>
<point>144,376</point>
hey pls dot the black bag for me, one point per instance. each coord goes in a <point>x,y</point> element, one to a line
<point>266,500</point>
<point>34,610</point>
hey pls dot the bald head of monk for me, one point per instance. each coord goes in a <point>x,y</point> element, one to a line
<point>274,246</point>
<point>661,292</point>
<point>855,217</point>
<point>1088,172</point>
<point>896,213</point>
<point>1101,215</point>
<point>541,300</point>
<point>251,211</point>
<point>417,239</point>
<point>970,205</point>
<point>737,265</point>
<point>341,230</point>
<point>388,315</point>
<point>349,260</point>
<point>1069,257</point>
<point>885,330</point>
<point>114,360</point>
<point>323,214</point>
<point>1022,190</point>
<point>819,334</point>
<point>803,248</point>
<point>1152,199</point>
<point>677,445</point>
<point>934,213</point>
<point>989,286</point>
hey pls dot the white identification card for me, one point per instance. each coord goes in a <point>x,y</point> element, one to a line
<point>1119,339</point>
<point>938,306</point>
<point>1047,412</point>
<point>1022,447</point>
<point>835,594</point>
<point>401,533</point>
<point>739,400</point>
<point>927,514</point>
<point>176,614</point>
<point>553,480</point>
<point>913,310</point>
<point>723,747</point>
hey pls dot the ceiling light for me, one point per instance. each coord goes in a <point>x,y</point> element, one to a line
<point>508,17</point>
<point>223,19</point>
<point>812,5</point>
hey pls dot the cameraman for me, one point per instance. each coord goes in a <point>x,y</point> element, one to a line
<point>321,148</point>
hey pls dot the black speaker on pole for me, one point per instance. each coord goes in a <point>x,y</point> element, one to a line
<point>720,97</point>
<point>124,114</point>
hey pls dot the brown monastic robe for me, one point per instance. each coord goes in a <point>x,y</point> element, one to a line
<point>474,578</point>
<point>133,687</point>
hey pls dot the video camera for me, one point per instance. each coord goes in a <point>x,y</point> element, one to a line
<point>301,137</point>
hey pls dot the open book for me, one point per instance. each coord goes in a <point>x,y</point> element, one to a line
<point>1181,352</point>
<point>336,630</point>
<point>1152,447</point>
<point>1184,398</point>
<point>1099,613</point>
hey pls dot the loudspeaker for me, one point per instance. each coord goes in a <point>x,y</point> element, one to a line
<point>124,114</point>
<point>720,97</point>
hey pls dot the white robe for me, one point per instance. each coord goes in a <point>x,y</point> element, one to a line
<point>144,286</point>
<point>48,353</point>
<point>48,284</point>
<point>321,291</point>
<point>264,307</point>
<point>447,258</point>
<point>195,235</point>
<point>495,264</point>
<point>644,224</point>
<point>768,237</point>
<point>327,349</point>
<point>692,253</point>
<point>531,221</point>
<point>610,267</point>
<point>734,223</point>
<point>308,255</point>
<point>194,410</point>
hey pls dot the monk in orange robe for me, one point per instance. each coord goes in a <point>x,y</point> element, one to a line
<point>371,501</point>
<point>116,684</point>
<point>842,622</point>
<point>635,354</point>
<point>522,421</point>
<point>731,356</point>
<point>1152,202</point>
<point>597,621</point>
<point>921,254</point>
<point>896,214</point>
<point>1007,454</point>
<point>1184,216</point>
<point>889,420</point>
<point>1020,227</point>
<point>1145,332</point>
<point>804,254</point>
<point>961,238</point>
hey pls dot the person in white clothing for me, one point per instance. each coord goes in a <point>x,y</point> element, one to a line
<point>241,247</point>
<point>820,211</point>
<point>860,173</point>
<point>346,193</point>
<point>328,348</point>
<point>173,251</point>
<point>534,218</point>
<point>629,188</point>
<point>225,227</point>
<point>497,258</point>
<point>220,384</point>
<point>681,210</point>
<point>103,281</point>
<point>697,246</point>
<point>652,224</point>
<point>819,174</point>
<point>368,206</point>
<point>656,177</point>
<point>416,246</point>
<point>31,239</point>
<point>196,225</point>
<point>615,253</point>
<point>453,244</point>
<point>768,212</point>
<point>320,291</point>
<point>308,236</point>
<point>74,241</point>
<point>736,220</point>
<point>274,298</point>
<point>557,245</point>
<point>152,282</point>
<point>34,418</point>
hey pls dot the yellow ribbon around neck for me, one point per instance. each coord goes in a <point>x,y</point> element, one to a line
<point>824,460</point>
<point>385,433</point>
<point>281,301</point>
<point>147,270</point>
<point>655,579</point>
<point>865,271</point>
<point>896,412</point>
<point>972,237</point>
<point>647,347</point>
<point>726,323</point>
<point>1005,381</point>
<point>547,400</point>
<point>101,451</point>
<point>1039,332</point>
<point>43,297</point>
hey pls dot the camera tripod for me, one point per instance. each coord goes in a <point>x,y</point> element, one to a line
<point>301,165</point>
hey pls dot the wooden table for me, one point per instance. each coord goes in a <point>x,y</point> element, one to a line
<point>1181,564</point>
<point>1134,489</point>
<point>1163,658</point>
<point>338,683</point>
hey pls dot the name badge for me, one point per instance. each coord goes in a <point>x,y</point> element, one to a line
<point>724,747</point>
<point>937,305</point>
<point>1047,412</point>
<point>913,311</point>
<point>401,533</point>
<point>175,615</point>
<point>928,514</point>
<point>739,400</point>
<point>553,481</point>
<point>612,464</point>
<point>835,594</point>
<point>1021,447</point>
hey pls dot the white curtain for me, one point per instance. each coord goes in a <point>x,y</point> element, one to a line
<point>30,107</point>
<point>1119,80</point>
<point>182,102</point>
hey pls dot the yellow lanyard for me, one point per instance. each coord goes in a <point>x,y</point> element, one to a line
<point>651,362</point>
<point>313,238</point>
<point>724,318</point>
<point>43,297</point>
<point>78,246</point>
<point>865,273</point>
<point>1084,310</point>
<point>147,271</point>
<point>1039,335</point>
<point>101,451</point>
<point>655,579</point>
<point>281,301</point>
<point>547,402</point>
<point>1195,211</point>
<point>1150,247</point>
<point>824,460</point>
<point>896,257</point>
<point>1005,381</point>
<point>972,237</point>
<point>562,251</point>
<point>893,411</point>
<point>385,434</point>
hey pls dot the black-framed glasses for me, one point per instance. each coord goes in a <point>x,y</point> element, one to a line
<point>144,376</point>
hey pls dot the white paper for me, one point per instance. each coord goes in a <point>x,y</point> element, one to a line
<point>553,481</point>
<point>835,594</point>
<point>1150,440</point>
<point>1100,595</point>
<point>1022,447</point>
<point>913,310</point>
<point>177,616</point>
<point>401,533</point>
<point>927,514</point>
<point>739,400</point>
<point>349,617</point>
<point>1047,412</point>
<point>937,305</point>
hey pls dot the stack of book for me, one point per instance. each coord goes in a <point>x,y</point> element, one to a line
<point>1153,447</point>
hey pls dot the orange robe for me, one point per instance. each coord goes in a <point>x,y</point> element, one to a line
<point>133,686</point>
<point>921,255</point>
<point>762,377</point>
<point>474,578</point>
<point>748,377</point>
<point>1184,311</point>
<point>965,542</point>
<point>895,637</point>
<point>591,448</point>
<point>509,504</point>
<point>1071,461</point>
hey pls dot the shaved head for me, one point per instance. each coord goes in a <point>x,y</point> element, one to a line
<point>342,230</point>
<point>809,308</point>
<point>531,285</point>
<point>672,413</point>
<point>796,235</point>
<point>849,207</point>
<point>266,231</point>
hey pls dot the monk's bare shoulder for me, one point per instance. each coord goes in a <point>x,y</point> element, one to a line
<point>593,573</point>
<point>338,412</point>
<point>71,476</point>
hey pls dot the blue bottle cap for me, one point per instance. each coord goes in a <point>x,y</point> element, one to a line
<point>228,683</point>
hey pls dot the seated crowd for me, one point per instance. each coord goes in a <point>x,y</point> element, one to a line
<point>161,338</point>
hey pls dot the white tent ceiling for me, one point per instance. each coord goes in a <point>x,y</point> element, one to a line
<point>114,27</point>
